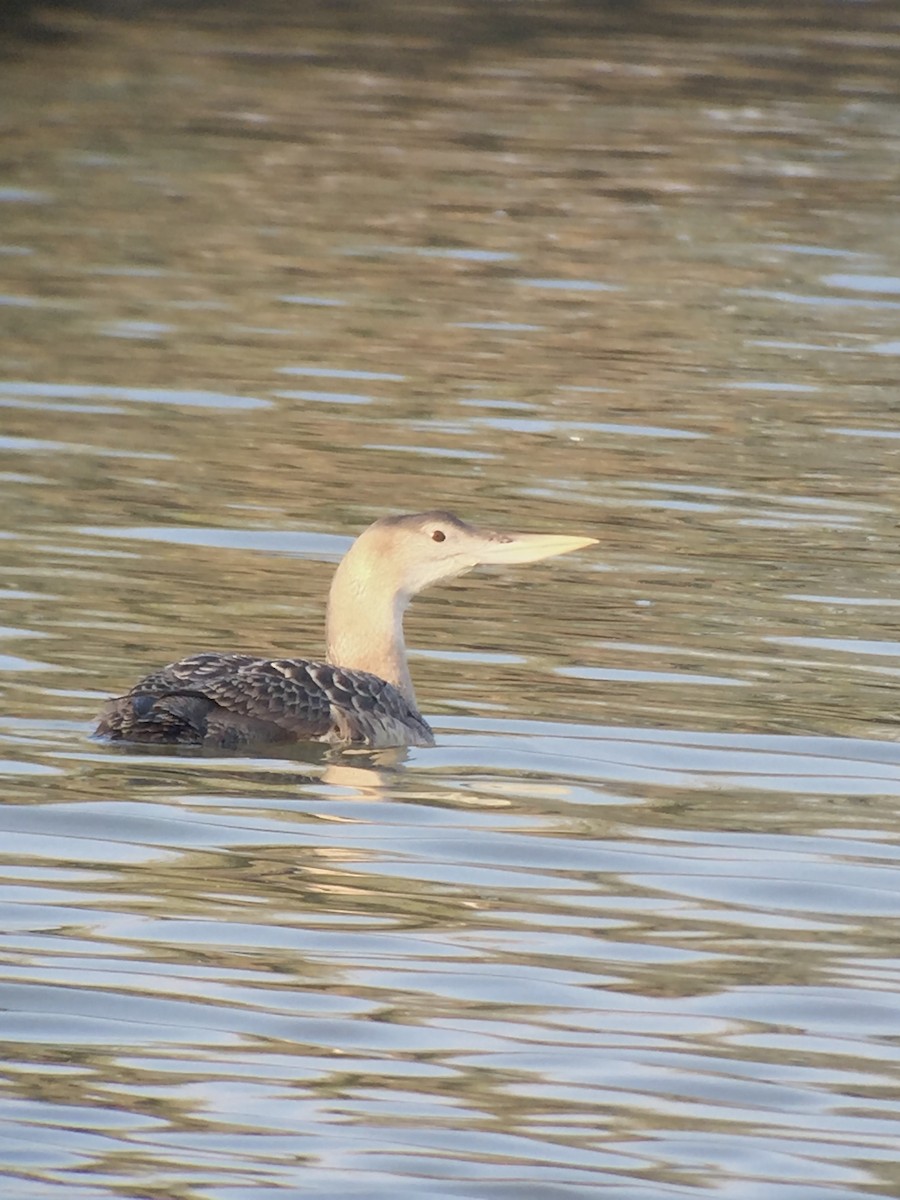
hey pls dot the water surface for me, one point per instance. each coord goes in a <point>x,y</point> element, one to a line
<point>630,928</point>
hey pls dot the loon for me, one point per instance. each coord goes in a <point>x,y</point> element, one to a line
<point>362,694</point>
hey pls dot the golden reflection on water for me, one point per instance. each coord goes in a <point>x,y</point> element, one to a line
<point>629,926</point>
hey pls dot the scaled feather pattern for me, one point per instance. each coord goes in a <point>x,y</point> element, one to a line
<point>232,700</point>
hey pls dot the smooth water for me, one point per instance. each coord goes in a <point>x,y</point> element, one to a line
<point>630,929</point>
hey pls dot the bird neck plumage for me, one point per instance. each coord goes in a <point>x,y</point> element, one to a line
<point>364,626</point>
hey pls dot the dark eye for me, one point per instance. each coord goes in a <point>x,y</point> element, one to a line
<point>439,536</point>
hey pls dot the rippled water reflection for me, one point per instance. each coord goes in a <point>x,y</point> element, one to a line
<point>542,963</point>
<point>630,928</point>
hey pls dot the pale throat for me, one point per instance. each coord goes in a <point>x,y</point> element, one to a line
<point>364,627</point>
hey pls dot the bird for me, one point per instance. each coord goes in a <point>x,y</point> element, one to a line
<point>361,695</point>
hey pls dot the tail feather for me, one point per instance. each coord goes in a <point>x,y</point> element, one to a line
<point>144,718</point>
<point>184,719</point>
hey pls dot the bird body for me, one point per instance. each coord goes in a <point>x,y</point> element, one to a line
<point>363,693</point>
<point>236,700</point>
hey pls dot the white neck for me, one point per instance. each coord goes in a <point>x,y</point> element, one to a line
<point>364,625</point>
